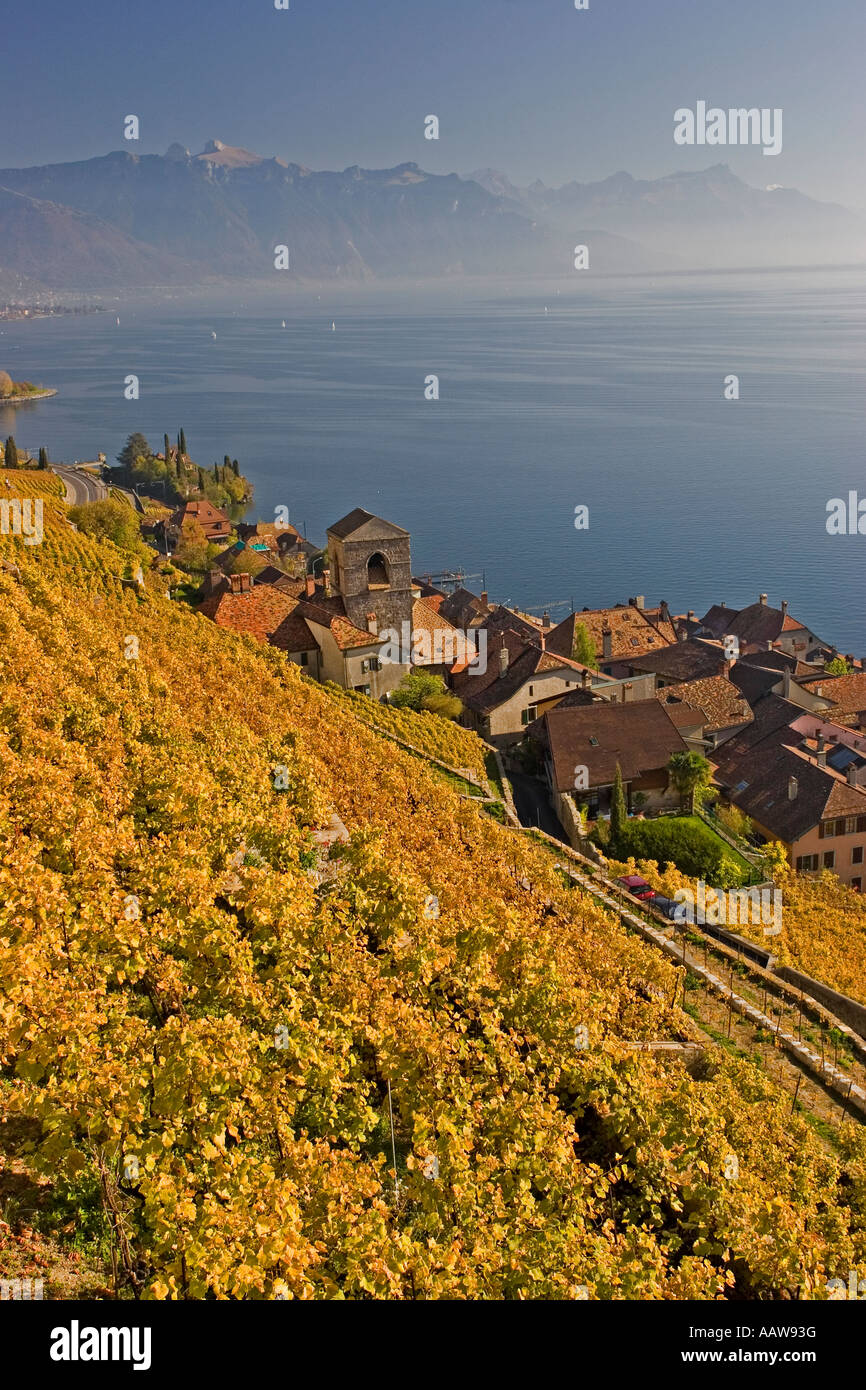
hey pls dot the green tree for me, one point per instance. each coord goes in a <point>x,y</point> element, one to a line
<point>181,443</point>
<point>837,667</point>
<point>11,453</point>
<point>110,520</point>
<point>418,687</point>
<point>583,648</point>
<point>7,385</point>
<point>43,458</point>
<point>235,469</point>
<point>690,774</point>
<point>618,808</point>
<point>135,452</point>
<point>193,552</point>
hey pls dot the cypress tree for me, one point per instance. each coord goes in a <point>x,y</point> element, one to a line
<point>167,447</point>
<point>236,470</point>
<point>182,442</point>
<point>201,480</point>
<point>43,458</point>
<point>216,472</point>
<point>618,810</point>
<point>227,463</point>
<point>11,453</point>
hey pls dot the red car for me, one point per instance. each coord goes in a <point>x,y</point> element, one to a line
<point>637,886</point>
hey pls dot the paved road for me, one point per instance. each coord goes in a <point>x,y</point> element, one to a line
<point>80,485</point>
<point>532,805</point>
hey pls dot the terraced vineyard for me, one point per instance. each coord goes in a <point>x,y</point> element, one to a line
<point>237,930</point>
<point>429,733</point>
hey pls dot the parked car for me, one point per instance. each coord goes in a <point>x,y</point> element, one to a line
<point>637,886</point>
<point>669,907</point>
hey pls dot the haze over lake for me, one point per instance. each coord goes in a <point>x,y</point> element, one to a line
<point>613,398</point>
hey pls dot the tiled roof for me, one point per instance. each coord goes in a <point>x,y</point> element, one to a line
<point>204,512</point>
<point>331,613</point>
<point>427,618</point>
<point>462,608</point>
<point>638,735</point>
<point>487,692</point>
<point>722,703</point>
<point>361,525</point>
<point>762,791</point>
<point>632,632</point>
<point>684,661</point>
<point>717,619</point>
<point>262,612</point>
<point>847,694</point>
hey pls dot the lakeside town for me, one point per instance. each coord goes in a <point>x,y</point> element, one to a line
<point>747,716</point>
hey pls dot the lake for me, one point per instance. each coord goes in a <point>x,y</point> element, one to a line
<point>604,393</point>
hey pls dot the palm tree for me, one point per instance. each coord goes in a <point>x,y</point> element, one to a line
<point>690,774</point>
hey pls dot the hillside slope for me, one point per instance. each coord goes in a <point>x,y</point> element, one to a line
<point>209,1016</point>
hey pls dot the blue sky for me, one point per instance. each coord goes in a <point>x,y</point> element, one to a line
<point>532,87</point>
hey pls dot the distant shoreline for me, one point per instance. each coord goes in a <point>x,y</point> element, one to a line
<point>33,396</point>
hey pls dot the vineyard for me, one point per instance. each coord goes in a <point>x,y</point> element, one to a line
<point>211,1001</point>
<point>429,733</point>
<point>823,924</point>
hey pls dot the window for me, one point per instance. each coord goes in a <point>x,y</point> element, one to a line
<point>531,690</point>
<point>857,885</point>
<point>826,830</point>
<point>529,714</point>
<point>829,859</point>
<point>362,689</point>
<point>371,663</point>
<point>807,863</point>
<point>857,854</point>
<point>861,824</point>
<point>305,659</point>
<point>850,825</point>
<point>840,826</point>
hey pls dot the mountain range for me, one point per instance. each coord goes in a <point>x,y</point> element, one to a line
<point>125,220</point>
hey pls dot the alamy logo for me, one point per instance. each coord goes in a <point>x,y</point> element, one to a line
<point>717,907</point>
<point>76,1343</point>
<point>22,518</point>
<point>736,126</point>
<point>420,647</point>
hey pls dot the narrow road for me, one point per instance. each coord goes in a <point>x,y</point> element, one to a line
<point>533,807</point>
<point>80,485</point>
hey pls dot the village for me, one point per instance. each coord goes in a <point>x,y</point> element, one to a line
<point>750,707</point>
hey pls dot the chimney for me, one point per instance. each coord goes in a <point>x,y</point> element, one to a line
<point>503,661</point>
<point>786,683</point>
<point>784,607</point>
<point>240,583</point>
<point>821,755</point>
<point>545,621</point>
<point>691,615</point>
<point>373,624</point>
<point>311,585</point>
<point>818,691</point>
<point>681,634</point>
<point>793,788</point>
<point>640,601</point>
<point>586,679</point>
<point>851,774</point>
<point>326,576</point>
<point>606,644</point>
<point>484,597</point>
<point>664,612</point>
<point>723,604</point>
<point>762,598</point>
<point>820,743</point>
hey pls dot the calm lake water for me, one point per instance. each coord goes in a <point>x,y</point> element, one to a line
<point>612,399</point>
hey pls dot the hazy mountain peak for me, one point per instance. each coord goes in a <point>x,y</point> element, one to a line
<point>229,156</point>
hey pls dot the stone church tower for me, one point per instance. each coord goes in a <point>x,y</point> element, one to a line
<point>371,570</point>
